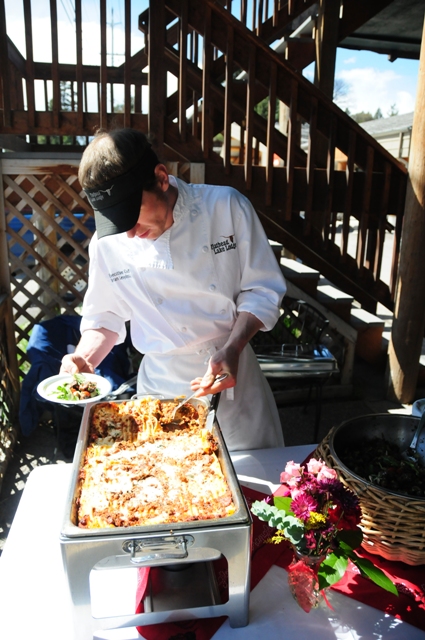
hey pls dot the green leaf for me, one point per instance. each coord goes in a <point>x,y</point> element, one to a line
<point>332,569</point>
<point>293,529</point>
<point>351,538</point>
<point>269,513</point>
<point>284,504</point>
<point>377,576</point>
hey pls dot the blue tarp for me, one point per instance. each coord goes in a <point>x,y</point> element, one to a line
<point>46,347</point>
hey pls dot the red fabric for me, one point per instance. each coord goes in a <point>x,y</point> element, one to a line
<point>409,606</point>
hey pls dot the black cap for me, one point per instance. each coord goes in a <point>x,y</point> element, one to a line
<point>116,203</point>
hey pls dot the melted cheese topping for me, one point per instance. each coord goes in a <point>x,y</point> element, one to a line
<point>139,469</point>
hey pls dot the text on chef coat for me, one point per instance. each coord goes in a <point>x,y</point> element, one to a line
<point>224,245</point>
<point>120,275</point>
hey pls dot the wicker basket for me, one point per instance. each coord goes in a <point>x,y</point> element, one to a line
<point>393,526</point>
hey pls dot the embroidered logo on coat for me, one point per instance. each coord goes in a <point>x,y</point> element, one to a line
<point>224,245</point>
<point>120,275</point>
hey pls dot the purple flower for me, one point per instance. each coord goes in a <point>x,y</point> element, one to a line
<point>340,494</point>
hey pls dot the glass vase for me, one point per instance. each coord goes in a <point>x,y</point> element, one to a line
<point>303,580</point>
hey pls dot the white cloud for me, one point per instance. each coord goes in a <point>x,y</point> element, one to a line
<point>405,102</point>
<point>351,60</point>
<point>370,89</point>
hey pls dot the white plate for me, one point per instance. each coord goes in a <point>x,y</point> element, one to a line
<point>47,388</point>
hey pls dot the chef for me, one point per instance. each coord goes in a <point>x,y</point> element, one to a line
<point>191,269</point>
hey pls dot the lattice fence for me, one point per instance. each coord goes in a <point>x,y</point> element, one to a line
<point>48,225</point>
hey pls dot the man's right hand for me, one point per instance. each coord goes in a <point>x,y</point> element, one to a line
<point>73,363</point>
<point>95,344</point>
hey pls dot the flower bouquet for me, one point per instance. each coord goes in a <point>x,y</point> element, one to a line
<point>319,516</point>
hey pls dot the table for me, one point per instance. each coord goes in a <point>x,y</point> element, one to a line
<point>33,590</point>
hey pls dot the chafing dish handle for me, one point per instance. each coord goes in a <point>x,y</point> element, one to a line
<point>214,401</point>
<point>157,550</point>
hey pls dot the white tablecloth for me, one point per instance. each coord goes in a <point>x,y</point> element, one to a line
<point>34,601</point>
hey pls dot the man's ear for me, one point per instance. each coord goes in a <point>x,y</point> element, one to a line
<point>162,179</point>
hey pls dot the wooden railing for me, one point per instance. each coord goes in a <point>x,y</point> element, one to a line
<point>223,73</point>
<point>301,195</point>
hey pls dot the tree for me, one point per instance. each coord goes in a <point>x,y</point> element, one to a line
<point>362,116</point>
<point>262,108</point>
<point>66,104</point>
<point>378,114</point>
<point>393,110</point>
<point>119,108</point>
<point>340,90</point>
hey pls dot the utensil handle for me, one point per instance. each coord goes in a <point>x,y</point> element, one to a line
<point>418,431</point>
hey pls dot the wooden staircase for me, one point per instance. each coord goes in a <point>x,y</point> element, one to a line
<point>224,63</point>
<point>299,201</point>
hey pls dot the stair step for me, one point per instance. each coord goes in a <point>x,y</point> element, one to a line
<point>302,276</point>
<point>335,300</point>
<point>277,249</point>
<point>362,319</point>
<point>370,328</point>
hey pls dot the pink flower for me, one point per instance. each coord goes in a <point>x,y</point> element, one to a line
<point>292,472</point>
<point>296,492</point>
<point>310,540</point>
<point>314,466</point>
<point>325,472</point>
<point>302,505</point>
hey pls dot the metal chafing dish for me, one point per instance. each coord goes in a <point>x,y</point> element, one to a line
<point>187,545</point>
<point>297,361</point>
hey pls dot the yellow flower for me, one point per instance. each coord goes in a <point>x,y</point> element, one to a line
<point>278,537</point>
<point>315,521</point>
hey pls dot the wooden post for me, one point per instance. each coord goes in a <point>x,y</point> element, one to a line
<point>157,74</point>
<point>409,313</point>
<point>326,45</point>
<point>326,37</point>
<point>5,288</point>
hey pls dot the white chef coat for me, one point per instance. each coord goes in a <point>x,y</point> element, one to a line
<point>182,293</point>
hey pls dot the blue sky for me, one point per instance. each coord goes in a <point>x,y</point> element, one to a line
<point>372,81</point>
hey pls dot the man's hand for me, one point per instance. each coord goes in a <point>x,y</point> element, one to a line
<point>226,359</point>
<point>94,346</point>
<point>73,363</point>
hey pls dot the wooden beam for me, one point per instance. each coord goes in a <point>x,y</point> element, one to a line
<point>326,45</point>
<point>157,73</point>
<point>79,67</point>
<point>206,133</point>
<point>228,100</point>
<point>68,125</point>
<point>409,316</point>
<point>4,72</point>
<point>55,64</point>
<point>29,62</point>
<point>5,288</point>
<point>183,70</point>
<point>103,66</point>
<point>127,63</point>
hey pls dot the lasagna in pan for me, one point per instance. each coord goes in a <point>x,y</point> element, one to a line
<point>141,468</point>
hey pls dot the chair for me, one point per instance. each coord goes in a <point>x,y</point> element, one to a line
<point>296,351</point>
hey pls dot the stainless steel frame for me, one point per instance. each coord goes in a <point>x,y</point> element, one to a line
<point>157,546</point>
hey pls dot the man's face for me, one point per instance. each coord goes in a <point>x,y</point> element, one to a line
<point>156,211</point>
<point>155,217</point>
